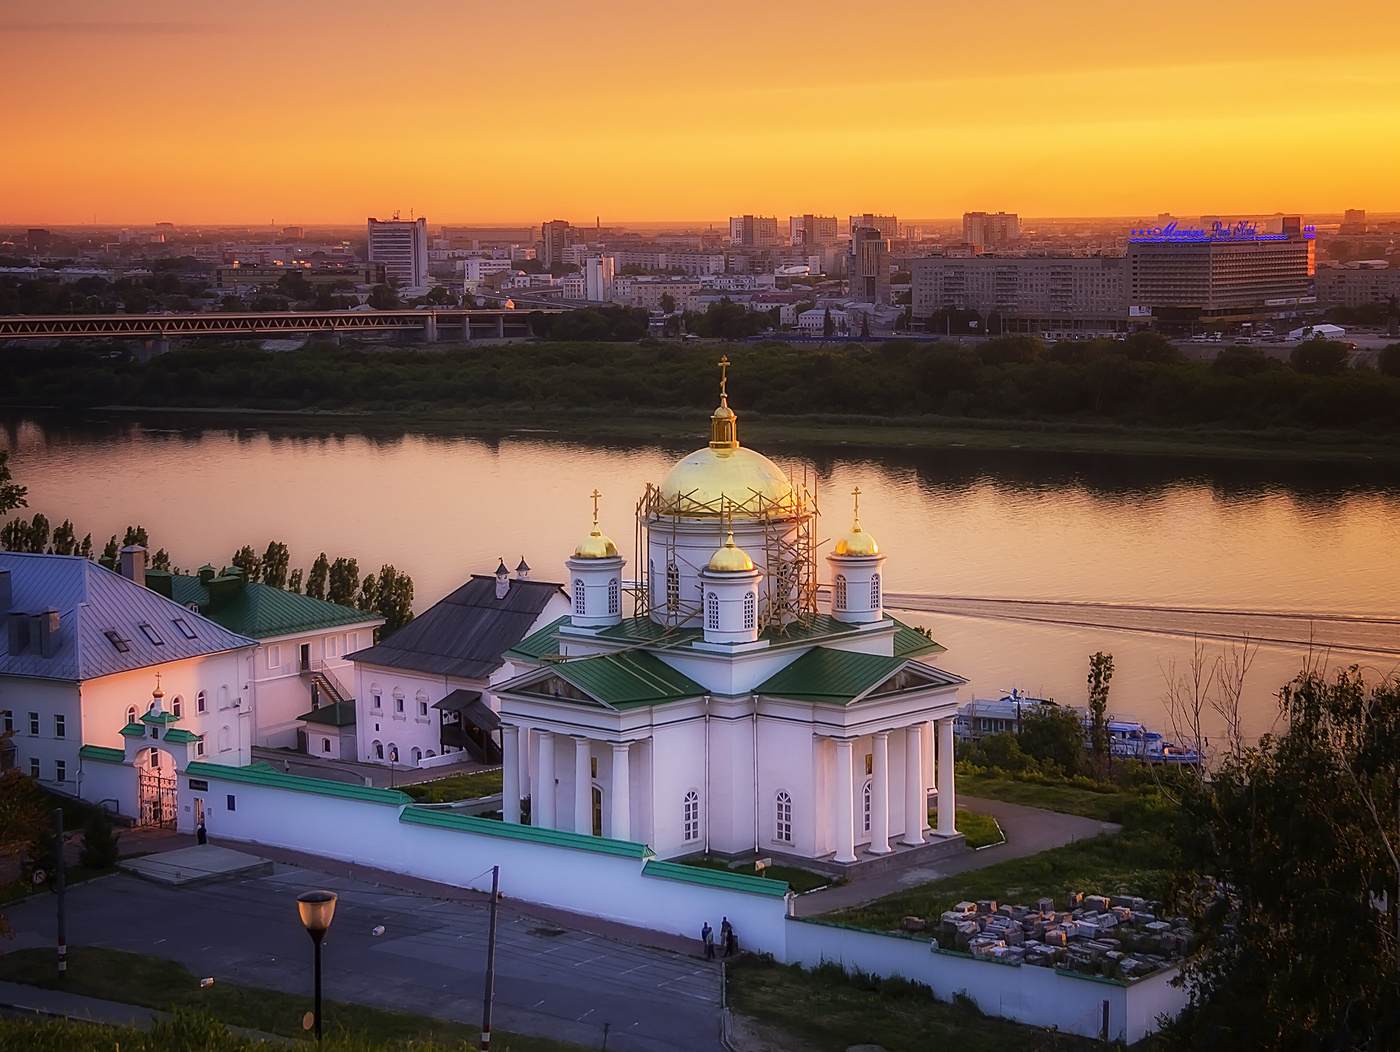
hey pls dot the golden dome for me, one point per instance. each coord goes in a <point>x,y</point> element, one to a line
<point>713,483</point>
<point>857,542</point>
<point>595,545</point>
<point>731,558</point>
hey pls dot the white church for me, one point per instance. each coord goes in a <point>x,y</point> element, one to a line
<point>726,712</point>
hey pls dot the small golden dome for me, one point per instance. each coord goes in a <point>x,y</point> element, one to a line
<point>857,542</point>
<point>595,546</point>
<point>731,558</point>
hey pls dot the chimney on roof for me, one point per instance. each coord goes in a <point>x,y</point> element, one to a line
<point>133,563</point>
<point>7,592</point>
<point>522,572</point>
<point>19,632</point>
<point>206,574</point>
<point>502,580</point>
<point>48,632</point>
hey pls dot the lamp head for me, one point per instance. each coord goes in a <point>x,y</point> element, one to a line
<point>316,908</point>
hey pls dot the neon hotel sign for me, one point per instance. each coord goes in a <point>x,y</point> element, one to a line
<point>1244,230</point>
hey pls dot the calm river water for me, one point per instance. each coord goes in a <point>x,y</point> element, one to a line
<point>955,523</point>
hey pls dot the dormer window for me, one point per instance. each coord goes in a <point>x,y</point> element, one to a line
<point>117,641</point>
<point>151,634</point>
<point>183,627</point>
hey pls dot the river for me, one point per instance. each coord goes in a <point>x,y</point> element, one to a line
<point>1137,539</point>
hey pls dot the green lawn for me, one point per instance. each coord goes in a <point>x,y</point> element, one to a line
<point>799,880</point>
<point>153,982</point>
<point>456,787</point>
<point>980,830</point>
<point>828,1011</point>
<point>1135,862</point>
<point>1108,803</point>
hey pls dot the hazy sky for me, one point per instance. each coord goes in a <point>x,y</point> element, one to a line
<point>256,111</point>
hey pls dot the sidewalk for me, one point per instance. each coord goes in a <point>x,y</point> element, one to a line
<point>19,999</point>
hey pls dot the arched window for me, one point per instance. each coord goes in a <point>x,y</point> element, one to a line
<point>750,611</point>
<point>875,592</point>
<point>131,714</point>
<point>838,589</point>
<point>378,748</point>
<point>415,754</point>
<point>325,745</point>
<point>614,596</point>
<point>225,739</point>
<point>223,696</point>
<point>393,753</point>
<point>673,587</point>
<point>580,596</point>
<point>783,817</point>
<point>201,701</point>
<point>177,707</point>
<point>865,807</point>
<point>712,611</point>
<point>691,816</point>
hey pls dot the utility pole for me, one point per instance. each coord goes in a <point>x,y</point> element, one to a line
<point>490,961</point>
<point>60,884</point>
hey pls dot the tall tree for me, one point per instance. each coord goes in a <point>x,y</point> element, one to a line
<point>274,564</point>
<point>111,553</point>
<point>343,581</point>
<point>317,578</point>
<point>65,539</point>
<point>1100,674</point>
<point>828,324</point>
<point>247,560</point>
<point>393,600</point>
<point>12,495</point>
<point>22,819</point>
<point>161,561</point>
<point>20,536</point>
<point>294,581</point>
<point>136,535</point>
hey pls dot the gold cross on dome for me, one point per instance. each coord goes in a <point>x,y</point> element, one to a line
<point>723,376</point>
<point>595,495</point>
<point>856,493</point>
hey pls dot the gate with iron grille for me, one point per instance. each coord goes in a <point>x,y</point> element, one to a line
<point>158,798</point>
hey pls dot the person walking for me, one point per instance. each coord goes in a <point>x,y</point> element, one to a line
<point>726,936</point>
<point>201,835</point>
<point>707,937</point>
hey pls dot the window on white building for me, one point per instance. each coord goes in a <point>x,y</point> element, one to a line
<point>712,611</point>
<point>201,701</point>
<point>60,728</point>
<point>34,724</point>
<point>375,701</point>
<point>199,746</point>
<point>398,704</point>
<point>131,714</point>
<point>580,596</point>
<point>10,720</point>
<point>783,818</point>
<point>865,807</point>
<point>691,813</point>
<point>875,592</point>
<point>838,588</point>
<point>673,587</point>
<point>325,745</point>
<point>332,646</point>
<point>34,767</point>
<point>378,748</point>
<point>225,739</point>
<point>422,707</point>
<point>414,755</point>
<point>393,753</point>
<point>614,596</point>
<point>60,771</point>
<point>274,657</point>
<point>177,706</point>
<point>750,611</point>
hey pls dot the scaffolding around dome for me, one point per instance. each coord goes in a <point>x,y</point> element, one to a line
<point>788,595</point>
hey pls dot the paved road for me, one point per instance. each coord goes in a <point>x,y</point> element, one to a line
<point>550,981</point>
<point>1029,831</point>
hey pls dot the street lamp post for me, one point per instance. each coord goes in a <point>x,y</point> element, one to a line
<point>317,908</point>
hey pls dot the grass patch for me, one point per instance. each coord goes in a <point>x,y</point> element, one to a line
<point>1107,803</point>
<point>19,890</point>
<point>1135,862</point>
<point>980,830</point>
<point>456,787</point>
<point>828,1011</point>
<point>799,880</point>
<point>153,982</point>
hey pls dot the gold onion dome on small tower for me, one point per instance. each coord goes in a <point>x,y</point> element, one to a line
<point>731,558</point>
<point>595,545</point>
<point>857,542</point>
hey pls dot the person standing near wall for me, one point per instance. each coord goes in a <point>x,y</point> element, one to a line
<point>726,936</point>
<point>707,939</point>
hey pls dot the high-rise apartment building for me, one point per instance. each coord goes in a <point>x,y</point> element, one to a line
<point>1029,294</point>
<point>1356,284</point>
<point>1353,222</point>
<point>555,238</point>
<point>402,246</point>
<point>599,273</point>
<point>869,267</point>
<point>811,231</point>
<point>887,225</point>
<point>753,231</point>
<point>991,229</point>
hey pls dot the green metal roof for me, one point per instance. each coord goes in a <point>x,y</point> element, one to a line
<point>102,754</point>
<point>179,734</point>
<point>337,714</point>
<point>909,643</point>
<point>163,718</point>
<point>645,630</point>
<point>538,645</point>
<point>511,831</point>
<point>133,730</point>
<point>262,612</point>
<point>625,680</point>
<point>263,774</point>
<point>839,677</point>
<point>716,878</point>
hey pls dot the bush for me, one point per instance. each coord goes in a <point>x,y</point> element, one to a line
<point>1389,360</point>
<point>1320,357</point>
<point>100,850</point>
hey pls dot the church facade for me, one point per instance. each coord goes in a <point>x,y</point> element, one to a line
<point>727,711</point>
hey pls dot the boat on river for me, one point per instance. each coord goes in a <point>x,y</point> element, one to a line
<point>1128,738</point>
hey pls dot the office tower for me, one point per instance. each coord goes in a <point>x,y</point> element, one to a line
<point>402,246</point>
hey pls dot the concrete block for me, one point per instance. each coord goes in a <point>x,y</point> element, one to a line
<point>986,905</point>
<point>1099,903</point>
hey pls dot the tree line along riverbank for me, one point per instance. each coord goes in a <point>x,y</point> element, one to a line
<point>1139,394</point>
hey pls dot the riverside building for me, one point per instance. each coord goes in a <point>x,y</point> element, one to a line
<point>1039,294</point>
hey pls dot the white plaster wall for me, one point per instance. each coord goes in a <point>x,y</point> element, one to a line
<point>731,793</point>
<point>107,782</point>
<point>787,761</point>
<point>695,541</point>
<point>676,762</point>
<point>1039,996</point>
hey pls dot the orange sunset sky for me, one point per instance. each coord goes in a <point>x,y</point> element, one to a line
<point>251,112</point>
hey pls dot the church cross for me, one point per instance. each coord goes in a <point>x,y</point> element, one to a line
<point>723,377</point>
<point>595,495</point>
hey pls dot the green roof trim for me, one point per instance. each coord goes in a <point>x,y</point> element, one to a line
<point>163,718</point>
<point>538,645</point>
<point>716,878</point>
<point>336,714</point>
<point>838,677</point>
<point>179,734</point>
<point>265,775</point>
<point>511,831</point>
<point>644,629</point>
<point>133,730</point>
<point>261,611</point>
<point>627,680</point>
<point>911,643</point>
<point>102,754</point>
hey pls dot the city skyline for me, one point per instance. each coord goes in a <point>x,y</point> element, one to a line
<point>151,112</point>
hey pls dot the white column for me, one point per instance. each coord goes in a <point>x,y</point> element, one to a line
<point>914,795</point>
<point>542,804</point>
<point>928,743</point>
<point>946,801</point>
<point>845,803</point>
<point>621,794</point>
<point>583,788</point>
<point>880,795</point>
<point>510,773</point>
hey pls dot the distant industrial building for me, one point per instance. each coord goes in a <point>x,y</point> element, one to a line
<point>402,246</point>
<point>887,225</point>
<point>255,274</point>
<point>1220,272</point>
<point>1028,293</point>
<point>555,238</point>
<point>991,230</point>
<point>812,231</point>
<point>753,231</point>
<point>1356,284</point>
